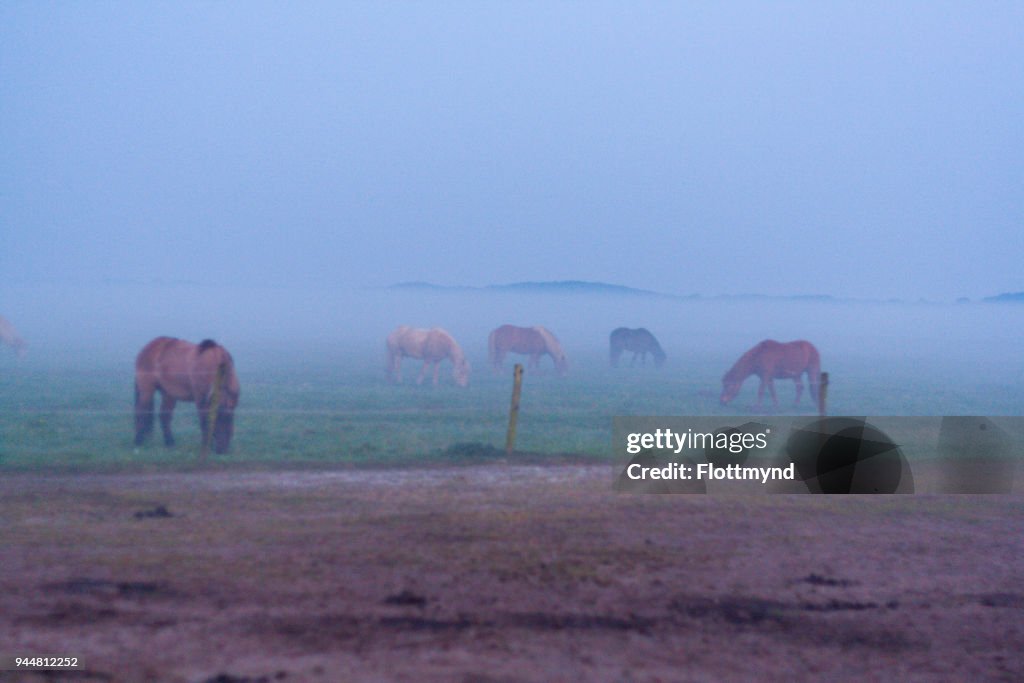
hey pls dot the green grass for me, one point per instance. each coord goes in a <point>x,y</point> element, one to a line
<point>319,412</point>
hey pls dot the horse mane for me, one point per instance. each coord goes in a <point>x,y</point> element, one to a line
<point>742,368</point>
<point>658,352</point>
<point>551,343</point>
<point>453,346</point>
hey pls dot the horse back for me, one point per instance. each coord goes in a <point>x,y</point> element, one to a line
<point>151,354</point>
<point>408,341</point>
<point>184,370</point>
<point>518,339</point>
<point>438,344</point>
<point>788,360</point>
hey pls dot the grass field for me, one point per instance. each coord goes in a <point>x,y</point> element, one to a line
<point>337,408</point>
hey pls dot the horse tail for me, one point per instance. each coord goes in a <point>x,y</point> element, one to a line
<point>813,370</point>
<point>206,345</point>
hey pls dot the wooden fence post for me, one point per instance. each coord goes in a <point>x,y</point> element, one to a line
<point>513,411</point>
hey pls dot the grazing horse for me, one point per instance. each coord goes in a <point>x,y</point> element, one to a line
<point>772,360</point>
<point>531,341</point>
<point>182,371</point>
<point>432,346</point>
<point>10,337</point>
<point>640,341</point>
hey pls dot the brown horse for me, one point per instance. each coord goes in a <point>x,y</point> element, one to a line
<point>10,337</point>
<point>432,346</point>
<point>771,360</point>
<point>182,371</point>
<point>640,341</point>
<point>531,341</point>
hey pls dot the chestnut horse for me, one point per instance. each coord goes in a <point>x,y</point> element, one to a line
<point>640,341</point>
<point>10,337</point>
<point>771,360</point>
<point>432,346</point>
<point>182,371</point>
<point>531,341</point>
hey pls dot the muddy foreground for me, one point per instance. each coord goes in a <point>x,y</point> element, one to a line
<point>499,574</point>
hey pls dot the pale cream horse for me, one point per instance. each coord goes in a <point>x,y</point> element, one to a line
<point>431,346</point>
<point>10,337</point>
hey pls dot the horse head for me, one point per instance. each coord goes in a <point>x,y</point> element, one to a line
<point>553,349</point>
<point>730,387</point>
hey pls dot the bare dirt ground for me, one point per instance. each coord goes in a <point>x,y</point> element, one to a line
<point>501,573</point>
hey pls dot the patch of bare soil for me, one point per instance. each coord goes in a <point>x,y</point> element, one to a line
<point>500,574</point>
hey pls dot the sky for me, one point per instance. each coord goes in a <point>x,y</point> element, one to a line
<point>856,149</point>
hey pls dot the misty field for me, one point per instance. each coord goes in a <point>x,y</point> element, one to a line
<point>354,519</point>
<point>321,409</point>
<point>311,366</point>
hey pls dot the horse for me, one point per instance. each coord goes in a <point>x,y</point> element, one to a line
<point>640,341</point>
<point>9,336</point>
<point>771,360</point>
<point>532,341</point>
<point>182,371</point>
<point>432,346</point>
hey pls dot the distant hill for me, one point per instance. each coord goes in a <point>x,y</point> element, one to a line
<point>555,287</point>
<point>1009,297</point>
<point>602,288</point>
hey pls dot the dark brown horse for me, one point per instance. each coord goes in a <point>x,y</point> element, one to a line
<point>182,371</point>
<point>531,341</point>
<point>771,360</point>
<point>640,341</point>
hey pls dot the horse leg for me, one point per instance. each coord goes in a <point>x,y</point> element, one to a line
<point>143,412</point>
<point>799,389</point>
<point>166,412</point>
<point>771,390</point>
<point>423,372</point>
